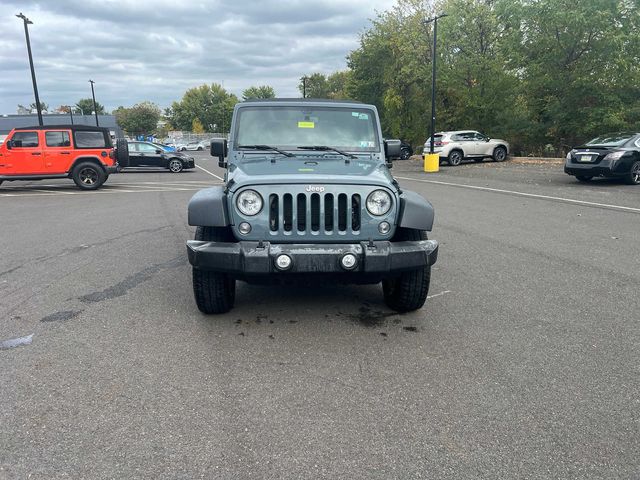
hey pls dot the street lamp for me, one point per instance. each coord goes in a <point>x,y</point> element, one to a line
<point>33,72</point>
<point>433,78</point>
<point>93,95</point>
<point>304,87</point>
<point>70,113</point>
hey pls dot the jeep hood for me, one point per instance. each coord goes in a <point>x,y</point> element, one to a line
<point>295,170</point>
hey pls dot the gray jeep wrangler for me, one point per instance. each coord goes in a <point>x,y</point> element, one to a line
<point>308,196</point>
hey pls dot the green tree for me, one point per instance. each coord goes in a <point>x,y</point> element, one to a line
<point>314,86</point>
<point>391,69</point>
<point>337,84</point>
<point>476,87</point>
<point>211,104</point>
<point>263,91</point>
<point>578,62</point>
<point>141,118</point>
<point>196,126</point>
<point>86,106</point>
<point>32,107</point>
<point>318,85</point>
<point>43,106</point>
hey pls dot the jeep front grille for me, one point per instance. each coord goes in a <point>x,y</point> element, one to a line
<point>314,212</point>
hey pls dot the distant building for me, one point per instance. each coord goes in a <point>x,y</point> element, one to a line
<point>8,122</point>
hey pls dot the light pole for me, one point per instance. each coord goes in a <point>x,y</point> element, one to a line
<point>93,95</point>
<point>304,87</point>
<point>70,113</point>
<point>433,78</point>
<point>33,72</point>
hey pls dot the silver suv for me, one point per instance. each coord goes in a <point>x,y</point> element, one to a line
<point>456,146</point>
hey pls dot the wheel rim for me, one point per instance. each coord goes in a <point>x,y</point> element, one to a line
<point>175,166</point>
<point>635,173</point>
<point>500,154</point>
<point>456,158</point>
<point>88,176</point>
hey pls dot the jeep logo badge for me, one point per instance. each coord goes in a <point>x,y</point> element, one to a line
<point>314,188</point>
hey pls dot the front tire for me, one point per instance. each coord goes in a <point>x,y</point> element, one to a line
<point>214,292</point>
<point>499,154</point>
<point>88,176</point>
<point>409,290</point>
<point>405,154</point>
<point>633,177</point>
<point>175,165</point>
<point>455,158</point>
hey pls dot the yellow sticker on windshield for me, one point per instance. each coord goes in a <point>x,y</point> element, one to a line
<point>306,125</point>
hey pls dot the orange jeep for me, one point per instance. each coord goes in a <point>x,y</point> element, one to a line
<point>80,152</point>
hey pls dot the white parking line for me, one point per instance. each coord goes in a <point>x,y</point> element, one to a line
<point>49,193</point>
<point>439,294</point>
<point>523,194</point>
<point>212,174</point>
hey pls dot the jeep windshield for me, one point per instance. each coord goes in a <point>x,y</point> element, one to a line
<point>307,127</point>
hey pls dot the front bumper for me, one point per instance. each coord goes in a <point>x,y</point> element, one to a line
<point>254,258</point>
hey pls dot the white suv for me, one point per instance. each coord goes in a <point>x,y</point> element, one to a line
<point>456,146</point>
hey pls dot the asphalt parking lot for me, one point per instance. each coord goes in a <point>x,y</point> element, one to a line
<point>524,362</point>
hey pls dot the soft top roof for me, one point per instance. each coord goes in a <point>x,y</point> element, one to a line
<point>66,127</point>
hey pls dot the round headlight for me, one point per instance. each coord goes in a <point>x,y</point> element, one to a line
<point>249,203</point>
<point>378,202</point>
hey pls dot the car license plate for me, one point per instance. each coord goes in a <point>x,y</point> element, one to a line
<point>586,158</point>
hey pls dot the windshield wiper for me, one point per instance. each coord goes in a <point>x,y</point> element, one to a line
<point>267,147</point>
<point>324,148</point>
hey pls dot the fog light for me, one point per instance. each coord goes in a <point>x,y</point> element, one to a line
<point>283,262</point>
<point>348,261</point>
<point>244,228</point>
<point>384,228</point>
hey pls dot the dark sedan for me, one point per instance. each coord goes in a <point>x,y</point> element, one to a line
<point>147,154</point>
<point>613,155</point>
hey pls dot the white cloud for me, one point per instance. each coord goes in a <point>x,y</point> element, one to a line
<point>155,50</point>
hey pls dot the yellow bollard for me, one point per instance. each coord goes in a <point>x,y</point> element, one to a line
<point>431,162</point>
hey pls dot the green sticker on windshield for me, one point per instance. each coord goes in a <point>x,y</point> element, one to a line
<point>306,170</point>
<point>306,125</point>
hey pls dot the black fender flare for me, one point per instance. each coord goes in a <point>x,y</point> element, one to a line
<point>208,208</point>
<point>92,159</point>
<point>415,212</point>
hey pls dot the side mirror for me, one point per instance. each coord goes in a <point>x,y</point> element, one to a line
<point>391,150</point>
<point>158,150</point>
<point>9,144</point>
<point>486,139</point>
<point>219,149</point>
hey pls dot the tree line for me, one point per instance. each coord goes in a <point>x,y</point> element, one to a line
<point>543,74</point>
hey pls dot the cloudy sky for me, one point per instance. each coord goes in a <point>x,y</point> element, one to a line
<point>156,49</point>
